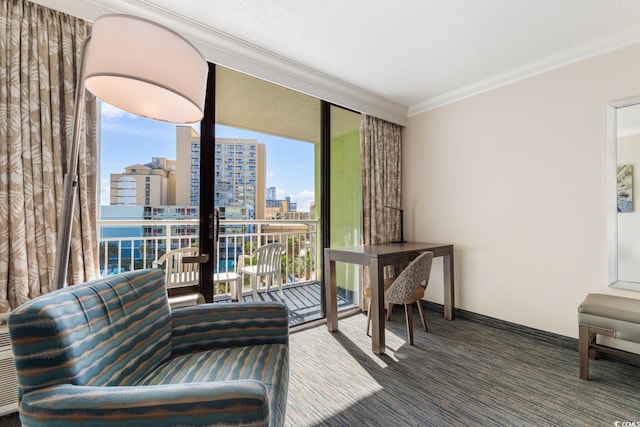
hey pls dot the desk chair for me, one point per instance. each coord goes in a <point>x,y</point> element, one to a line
<point>406,289</point>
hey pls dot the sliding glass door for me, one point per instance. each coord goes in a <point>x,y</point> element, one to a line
<point>266,176</point>
<point>255,161</point>
<point>345,195</point>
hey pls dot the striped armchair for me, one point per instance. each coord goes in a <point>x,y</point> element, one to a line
<point>111,352</point>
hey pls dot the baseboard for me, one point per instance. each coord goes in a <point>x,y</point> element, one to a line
<point>545,336</point>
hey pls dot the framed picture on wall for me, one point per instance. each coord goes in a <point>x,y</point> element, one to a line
<point>625,188</point>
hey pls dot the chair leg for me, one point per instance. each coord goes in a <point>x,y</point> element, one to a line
<point>369,318</point>
<point>409,316</point>
<point>421,311</point>
<point>233,289</point>
<point>267,281</point>
<point>238,287</point>
<point>254,287</point>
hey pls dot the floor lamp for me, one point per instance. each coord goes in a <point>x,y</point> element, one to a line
<point>140,67</point>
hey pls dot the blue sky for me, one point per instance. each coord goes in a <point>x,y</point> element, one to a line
<point>127,139</point>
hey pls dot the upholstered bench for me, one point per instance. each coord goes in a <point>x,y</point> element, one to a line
<point>606,315</point>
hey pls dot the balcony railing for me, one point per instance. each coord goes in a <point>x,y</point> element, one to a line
<point>132,245</point>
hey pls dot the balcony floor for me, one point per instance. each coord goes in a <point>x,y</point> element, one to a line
<point>303,301</point>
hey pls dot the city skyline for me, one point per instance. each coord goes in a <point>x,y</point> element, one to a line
<point>127,139</point>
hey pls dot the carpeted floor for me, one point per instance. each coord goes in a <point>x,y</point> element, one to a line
<point>462,373</point>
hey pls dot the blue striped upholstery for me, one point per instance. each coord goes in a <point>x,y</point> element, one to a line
<point>198,328</point>
<point>111,352</point>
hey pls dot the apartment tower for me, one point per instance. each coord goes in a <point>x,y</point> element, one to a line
<point>144,185</point>
<point>239,179</point>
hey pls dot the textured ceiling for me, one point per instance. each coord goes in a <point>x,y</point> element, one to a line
<point>411,51</point>
<point>418,54</point>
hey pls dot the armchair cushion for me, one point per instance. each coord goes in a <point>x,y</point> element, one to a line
<point>111,352</point>
<point>243,402</point>
<point>108,332</point>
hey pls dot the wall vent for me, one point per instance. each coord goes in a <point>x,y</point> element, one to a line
<point>8,380</point>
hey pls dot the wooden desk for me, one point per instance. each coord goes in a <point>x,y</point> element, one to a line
<point>376,257</point>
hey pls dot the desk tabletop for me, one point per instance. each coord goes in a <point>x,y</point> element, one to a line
<point>385,249</point>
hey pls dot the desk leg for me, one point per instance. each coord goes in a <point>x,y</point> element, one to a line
<point>449,297</point>
<point>331,294</point>
<point>377,306</point>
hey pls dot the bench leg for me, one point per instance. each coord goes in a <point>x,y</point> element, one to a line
<point>587,346</point>
<point>583,349</point>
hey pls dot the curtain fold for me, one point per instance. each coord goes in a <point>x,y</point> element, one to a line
<point>381,154</point>
<point>41,49</point>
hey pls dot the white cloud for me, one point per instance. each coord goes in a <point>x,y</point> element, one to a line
<point>109,112</point>
<point>302,198</point>
<point>105,186</point>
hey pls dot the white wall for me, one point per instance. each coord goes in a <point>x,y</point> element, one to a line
<point>515,178</point>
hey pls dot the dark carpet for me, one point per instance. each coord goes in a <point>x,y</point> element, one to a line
<point>461,373</point>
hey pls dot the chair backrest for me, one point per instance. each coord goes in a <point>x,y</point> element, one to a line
<point>268,258</point>
<point>107,332</point>
<point>178,272</point>
<point>416,274</point>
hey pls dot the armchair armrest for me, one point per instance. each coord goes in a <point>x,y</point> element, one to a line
<point>241,402</point>
<point>241,260</point>
<point>220,325</point>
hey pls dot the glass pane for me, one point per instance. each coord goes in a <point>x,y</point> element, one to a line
<point>346,198</point>
<point>266,186</point>
<point>143,183</point>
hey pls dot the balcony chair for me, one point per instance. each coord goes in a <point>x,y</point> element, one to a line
<point>112,353</point>
<point>181,271</point>
<point>406,289</point>
<point>263,262</point>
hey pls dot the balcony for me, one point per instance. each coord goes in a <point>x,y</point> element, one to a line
<point>132,245</point>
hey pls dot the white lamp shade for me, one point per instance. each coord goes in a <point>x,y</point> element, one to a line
<point>146,69</point>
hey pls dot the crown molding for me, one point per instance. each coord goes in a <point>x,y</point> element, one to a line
<point>566,57</point>
<point>224,49</point>
<point>232,52</point>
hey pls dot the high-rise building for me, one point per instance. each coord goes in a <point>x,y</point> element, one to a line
<point>271,193</point>
<point>144,185</point>
<point>187,189</point>
<point>239,178</point>
<point>282,208</point>
<point>240,175</point>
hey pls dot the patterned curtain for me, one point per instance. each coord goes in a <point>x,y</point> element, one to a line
<point>41,51</point>
<point>381,153</point>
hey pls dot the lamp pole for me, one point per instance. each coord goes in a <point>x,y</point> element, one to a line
<point>65,224</point>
